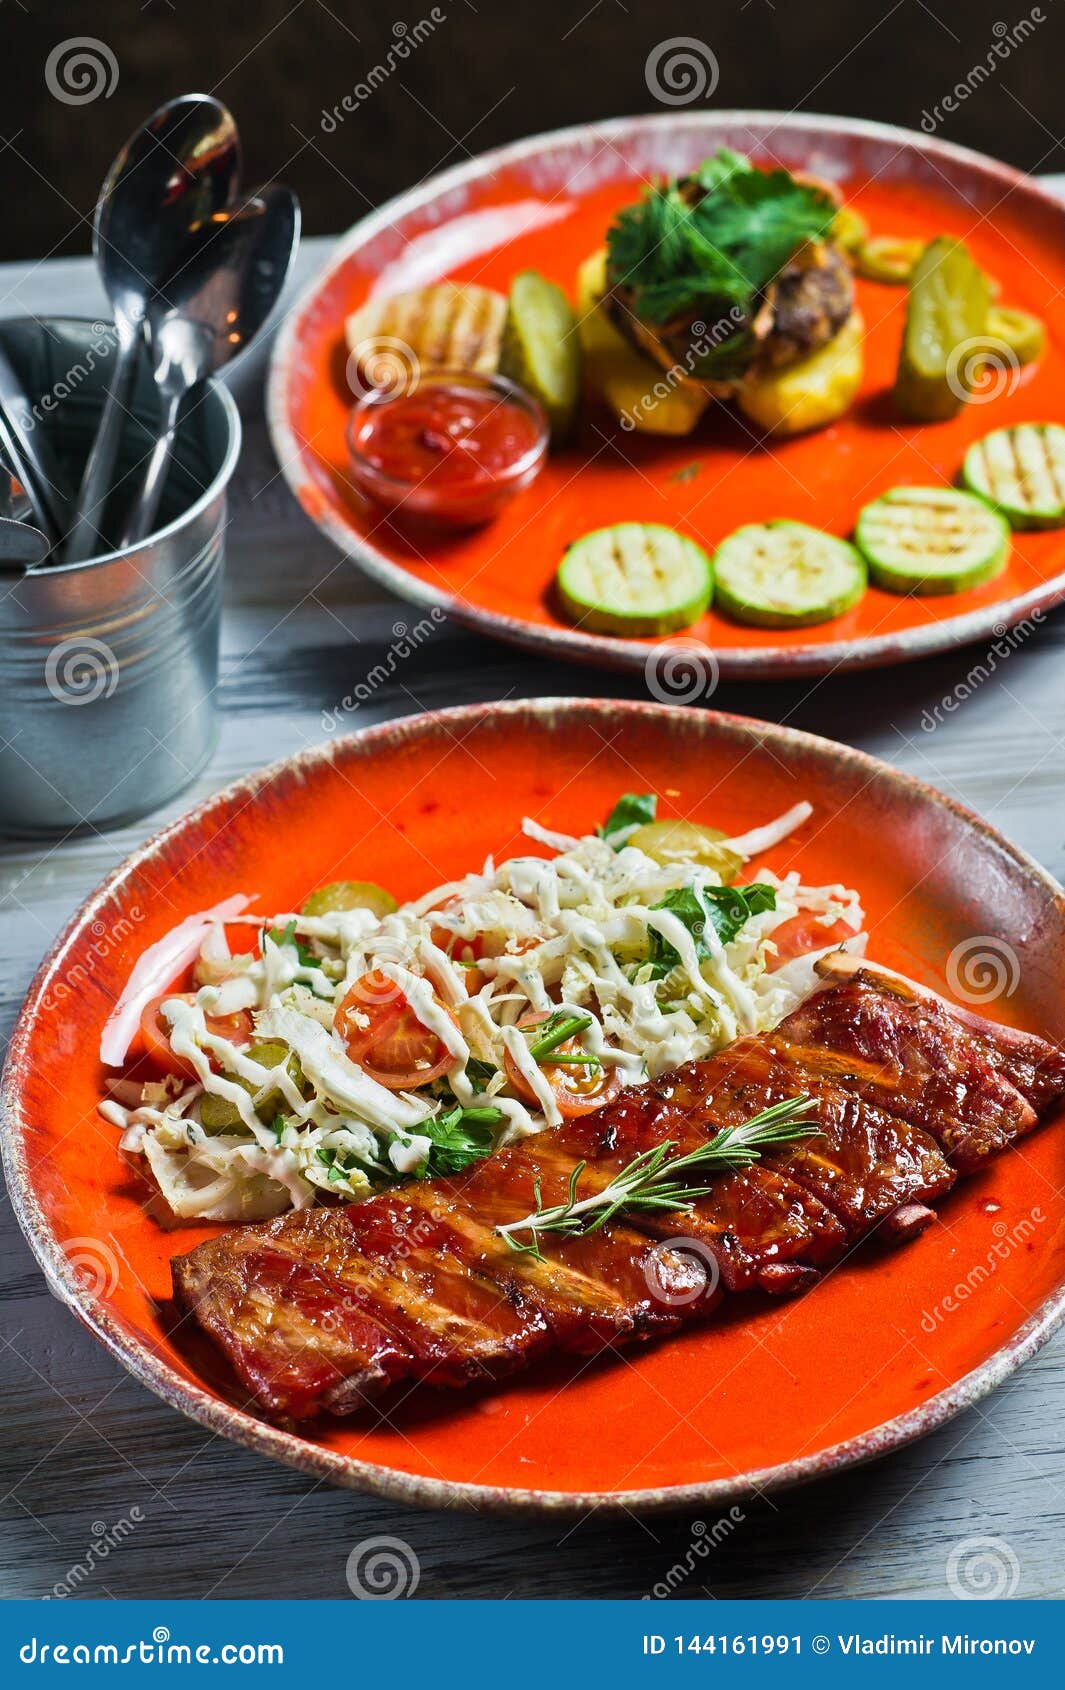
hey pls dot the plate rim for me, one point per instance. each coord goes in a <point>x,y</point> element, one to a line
<point>608,651</point>
<point>238,1425</point>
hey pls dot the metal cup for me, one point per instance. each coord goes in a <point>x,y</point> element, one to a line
<point>109,668</point>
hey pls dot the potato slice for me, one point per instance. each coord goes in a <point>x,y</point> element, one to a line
<point>812,392</point>
<point>446,326</point>
<point>636,389</point>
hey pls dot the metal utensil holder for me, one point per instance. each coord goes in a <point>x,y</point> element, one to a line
<point>109,668</point>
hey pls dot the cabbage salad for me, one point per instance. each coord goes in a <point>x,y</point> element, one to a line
<point>356,1042</point>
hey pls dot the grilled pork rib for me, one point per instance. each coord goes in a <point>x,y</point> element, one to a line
<point>322,1309</point>
<point>974,1086</point>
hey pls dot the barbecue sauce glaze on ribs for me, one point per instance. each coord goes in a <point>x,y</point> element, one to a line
<point>322,1309</point>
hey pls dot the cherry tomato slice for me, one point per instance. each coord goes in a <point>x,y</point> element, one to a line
<point>383,1035</point>
<point>453,945</point>
<point>577,1090</point>
<point>155,1033</point>
<point>803,934</point>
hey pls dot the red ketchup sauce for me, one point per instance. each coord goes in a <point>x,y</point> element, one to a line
<point>453,450</point>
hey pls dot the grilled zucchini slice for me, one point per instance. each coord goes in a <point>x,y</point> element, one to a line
<point>542,349</point>
<point>812,392</point>
<point>932,540</point>
<point>446,326</point>
<point>634,578</point>
<point>1021,472</point>
<point>786,575</point>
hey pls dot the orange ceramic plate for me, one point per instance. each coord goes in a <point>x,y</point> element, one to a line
<point>546,203</point>
<point>882,1350</point>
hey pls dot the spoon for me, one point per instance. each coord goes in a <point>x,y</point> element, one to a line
<point>28,453</point>
<point>21,545</point>
<point>179,169</point>
<point>210,310</point>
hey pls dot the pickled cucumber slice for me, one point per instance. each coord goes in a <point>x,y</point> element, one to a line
<point>1021,472</point>
<point>786,575</point>
<point>1023,333</point>
<point>635,578</point>
<point>350,895</point>
<point>849,229</point>
<point>946,319</point>
<point>887,258</point>
<point>687,842</point>
<point>931,540</point>
<point>542,349</point>
<point>219,1114</point>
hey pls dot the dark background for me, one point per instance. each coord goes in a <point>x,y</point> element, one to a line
<point>491,71</point>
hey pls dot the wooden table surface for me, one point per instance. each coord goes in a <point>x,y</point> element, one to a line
<point>85,1447</point>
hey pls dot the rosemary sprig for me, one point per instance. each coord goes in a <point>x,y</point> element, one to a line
<point>650,1181</point>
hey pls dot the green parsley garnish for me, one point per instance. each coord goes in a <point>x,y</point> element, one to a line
<point>722,909</point>
<point>479,1072</point>
<point>709,245</point>
<point>287,936</point>
<point>632,810</point>
<point>687,472</point>
<point>459,1136</point>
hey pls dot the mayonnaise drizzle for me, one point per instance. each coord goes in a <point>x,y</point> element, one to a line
<point>568,932</point>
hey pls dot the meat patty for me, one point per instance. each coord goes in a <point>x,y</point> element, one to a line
<point>811,300</point>
<point>803,308</point>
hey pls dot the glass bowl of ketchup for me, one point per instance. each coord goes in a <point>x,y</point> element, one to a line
<point>451,449</point>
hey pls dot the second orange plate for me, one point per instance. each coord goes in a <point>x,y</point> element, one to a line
<point>884,1349</point>
<point>546,204</point>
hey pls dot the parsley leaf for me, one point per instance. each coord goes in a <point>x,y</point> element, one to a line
<point>631,810</point>
<point>725,909</point>
<point>479,1072</point>
<point>687,472</point>
<point>459,1137</point>
<point>337,1165</point>
<point>287,936</point>
<point>709,245</point>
